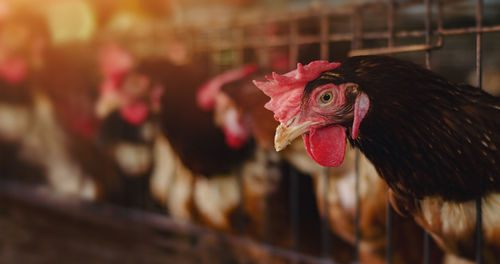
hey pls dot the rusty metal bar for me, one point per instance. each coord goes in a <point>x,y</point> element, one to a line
<point>266,227</point>
<point>238,45</point>
<point>293,49</point>
<point>403,49</point>
<point>109,215</point>
<point>479,231</point>
<point>357,215</point>
<point>277,17</point>
<point>388,211</point>
<point>390,23</point>
<point>479,213</point>
<point>303,40</point>
<point>294,197</point>
<point>428,32</point>
<point>324,31</point>
<point>325,228</point>
<point>388,225</point>
<point>357,29</point>
<point>241,217</point>
<point>265,45</point>
<point>428,21</point>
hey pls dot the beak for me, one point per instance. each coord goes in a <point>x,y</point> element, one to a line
<point>286,133</point>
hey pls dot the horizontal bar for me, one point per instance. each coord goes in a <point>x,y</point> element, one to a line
<point>305,40</point>
<point>470,30</point>
<point>387,50</point>
<point>254,17</point>
<point>106,214</point>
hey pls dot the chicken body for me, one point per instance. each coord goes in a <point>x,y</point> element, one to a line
<point>47,121</point>
<point>431,140</point>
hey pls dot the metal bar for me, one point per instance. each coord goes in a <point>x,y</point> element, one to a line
<point>428,21</point>
<point>294,197</point>
<point>403,49</point>
<point>240,228</point>
<point>390,22</point>
<point>109,215</point>
<point>388,211</point>
<point>238,45</point>
<point>479,231</point>
<point>479,213</point>
<point>264,40</point>
<point>324,30</point>
<point>325,228</point>
<point>283,15</point>
<point>303,40</point>
<point>293,49</point>
<point>388,234</point>
<point>357,216</point>
<point>357,29</point>
<point>428,29</point>
<point>266,227</point>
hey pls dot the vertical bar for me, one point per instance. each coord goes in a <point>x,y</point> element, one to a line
<point>324,29</point>
<point>325,229</point>
<point>479,24</point>
<point>428,24</point>
<point>294,209</point>
<point>388,211</point>
<point>357,230</point>
<point>240,228</point>
<point>265,229</point>
<point>479,231</point>
<point>238,45</point>
<point>294,47</point>
<point>428,32</point>
<point>357,29</point>
<point>390,22</point>
<point>388,234</point>
<point>479,213</point>
<point>264,40</point>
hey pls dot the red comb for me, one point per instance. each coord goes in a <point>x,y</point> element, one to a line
<point>114,59</point>
<point>13,70</point>
<point>286,90</point>
<point>207,92</point>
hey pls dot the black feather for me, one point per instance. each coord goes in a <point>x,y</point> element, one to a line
<point>425,135</point>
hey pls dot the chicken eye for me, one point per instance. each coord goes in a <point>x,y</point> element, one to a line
<point>326,97</point>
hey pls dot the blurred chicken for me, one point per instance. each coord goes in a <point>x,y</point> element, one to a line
<point>43,118</point>
<point>126,106</point>
<point>266,196</point>
<point>16,99</point>
<point>52,133</point>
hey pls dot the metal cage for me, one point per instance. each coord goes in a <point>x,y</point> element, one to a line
<point>337,30</point>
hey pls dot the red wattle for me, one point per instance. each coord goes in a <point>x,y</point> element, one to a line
<point>135,113</point>
<point>234,141</point>
<point>326,145</point>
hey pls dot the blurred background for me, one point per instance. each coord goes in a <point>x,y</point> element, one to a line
<point>131,132</point>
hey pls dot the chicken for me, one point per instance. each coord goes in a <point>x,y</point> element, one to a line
<point>183,172</point>
<point>126,106</point>
<point>49,129</point>
<point>425,135</point>
<point>43,119</point>
<point>247,101</point>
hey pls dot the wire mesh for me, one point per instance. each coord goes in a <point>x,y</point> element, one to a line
<point>209,37</point>
<point>433,39</point>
